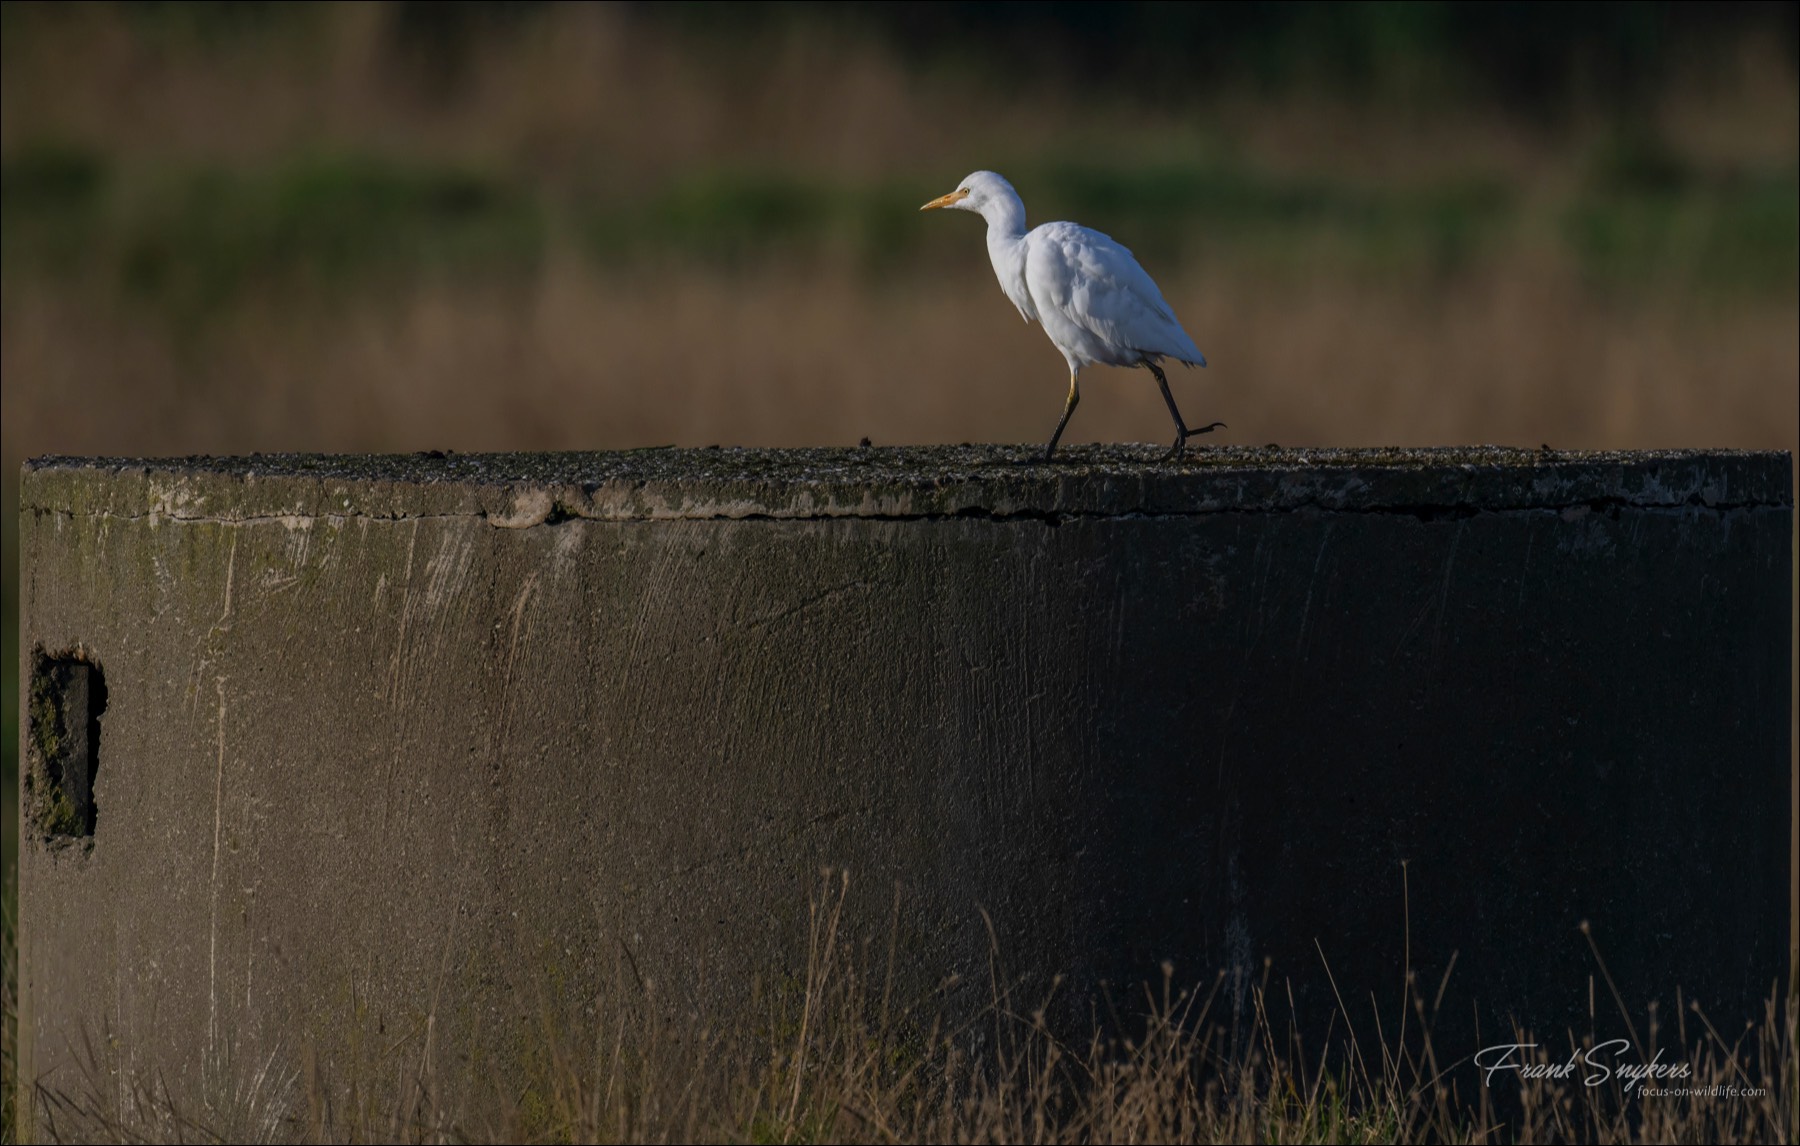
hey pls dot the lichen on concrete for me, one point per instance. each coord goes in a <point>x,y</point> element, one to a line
<point>48,808</point>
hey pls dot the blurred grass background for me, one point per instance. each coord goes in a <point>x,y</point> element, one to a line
<point>238,227</point>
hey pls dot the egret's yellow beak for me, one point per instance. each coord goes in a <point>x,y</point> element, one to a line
<point>945,200</point>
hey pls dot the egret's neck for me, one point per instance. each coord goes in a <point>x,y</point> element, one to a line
<point>1006,250</point>
<point>1006,239</point>
<point>1005,218</point>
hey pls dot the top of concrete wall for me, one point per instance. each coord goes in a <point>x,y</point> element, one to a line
<point>516,490</point>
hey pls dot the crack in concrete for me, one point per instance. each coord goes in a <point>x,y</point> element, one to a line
<point>811,602</point>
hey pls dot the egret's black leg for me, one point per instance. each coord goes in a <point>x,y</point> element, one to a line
<point>1182,433</point>
<point>1068,408</point>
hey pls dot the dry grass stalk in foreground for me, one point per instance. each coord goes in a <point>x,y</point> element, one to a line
<point>842,1063</point>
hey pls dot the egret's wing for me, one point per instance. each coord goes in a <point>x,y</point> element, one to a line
<point>1096,282</point>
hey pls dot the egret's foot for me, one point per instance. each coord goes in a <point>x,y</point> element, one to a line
<point>1184,434</point>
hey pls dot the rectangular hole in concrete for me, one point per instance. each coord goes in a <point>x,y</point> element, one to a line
<point>68,696</point>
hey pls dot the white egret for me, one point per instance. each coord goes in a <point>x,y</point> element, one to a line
<point>1095,302</point>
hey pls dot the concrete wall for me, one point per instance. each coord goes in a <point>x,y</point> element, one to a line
<point>486,738</point>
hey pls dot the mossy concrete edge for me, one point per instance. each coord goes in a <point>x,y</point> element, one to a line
<point>521,490</point>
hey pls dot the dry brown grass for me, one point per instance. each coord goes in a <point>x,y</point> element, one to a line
<point>801,355</point>
<point>595,91</point>
<point>841,1062</point>
<point>590,92</point>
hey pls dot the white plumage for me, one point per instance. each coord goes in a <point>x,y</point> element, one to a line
<point>1093,299</point>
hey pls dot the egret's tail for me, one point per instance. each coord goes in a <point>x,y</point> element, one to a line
<point>1184,351</point>
<point>1198,359</point>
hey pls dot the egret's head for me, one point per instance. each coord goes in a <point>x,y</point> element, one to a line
<point>975,193</point>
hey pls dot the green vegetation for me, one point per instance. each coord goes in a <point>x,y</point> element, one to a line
<point>192,241</point>
<point>1646,215</point>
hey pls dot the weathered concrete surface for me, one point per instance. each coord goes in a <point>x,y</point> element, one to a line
<point>462,737</point>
